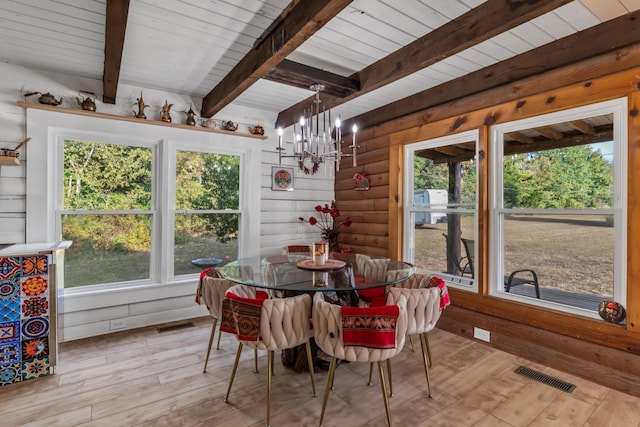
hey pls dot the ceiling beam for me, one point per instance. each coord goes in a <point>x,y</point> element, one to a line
<point>115,28</point>
<point>300,23</point>
<point>303,76</point>
<point>607,37</point>
<point>477,25</point>
<point>582,126</point>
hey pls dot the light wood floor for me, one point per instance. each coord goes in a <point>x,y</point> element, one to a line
<point>147,378</point>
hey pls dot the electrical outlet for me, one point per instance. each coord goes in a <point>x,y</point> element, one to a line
<point>482,334</point>
<point>117,324</point>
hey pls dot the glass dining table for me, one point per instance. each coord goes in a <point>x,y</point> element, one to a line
<point>300,274</point>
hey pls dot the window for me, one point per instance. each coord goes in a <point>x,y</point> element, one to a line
<point>125,217</point>
<point>107,212</point>
<point>440,217</point>
<point>558,207</point>
<point>207,208</point>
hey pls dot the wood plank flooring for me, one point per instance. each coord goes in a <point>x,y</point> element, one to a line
<point>148,378</point>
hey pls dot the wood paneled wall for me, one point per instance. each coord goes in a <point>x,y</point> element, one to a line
<point>377,214</point>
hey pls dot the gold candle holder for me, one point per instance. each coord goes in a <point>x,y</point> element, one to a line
<point>320,252</point>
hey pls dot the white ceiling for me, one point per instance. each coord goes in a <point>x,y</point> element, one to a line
<point>188,46</point>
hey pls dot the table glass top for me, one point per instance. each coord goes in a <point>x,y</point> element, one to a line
<point>298,273</point>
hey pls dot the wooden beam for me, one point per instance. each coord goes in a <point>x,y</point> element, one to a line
<point>303,20</point>
<point>549,132</point>
<point>599,40</point>
<point>582,126</point>
<point>303,76</point>
<point>520,137</point>
<point>115,27</point>
<point>569,141</point>
<point>477,25</point>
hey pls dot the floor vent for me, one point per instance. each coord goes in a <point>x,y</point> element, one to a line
<point>175,327</point>
<point>545,379</point>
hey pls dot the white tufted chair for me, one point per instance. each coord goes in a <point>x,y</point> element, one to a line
<point>423,311</point>
<point>211,292</point>
<point>284,323</point>
<point>328,334</point>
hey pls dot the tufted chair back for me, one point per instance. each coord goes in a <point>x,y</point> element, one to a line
<point>211,292</point>
<point>415,281</point>
<point>375,269</point>
<point>284,323</point>
<point>423,307</point>
<point>329,336</point>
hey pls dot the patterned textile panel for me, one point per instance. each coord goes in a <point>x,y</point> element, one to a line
<point>24,318</point>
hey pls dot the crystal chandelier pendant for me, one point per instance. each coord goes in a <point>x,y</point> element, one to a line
<point>313,143</point>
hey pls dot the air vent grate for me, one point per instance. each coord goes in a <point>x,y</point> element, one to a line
<point>175,327</point>
<point>545,379</point>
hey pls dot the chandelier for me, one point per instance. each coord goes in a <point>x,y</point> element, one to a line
<point>313,143</point>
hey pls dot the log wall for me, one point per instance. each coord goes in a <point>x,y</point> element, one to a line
<point>586,347</point>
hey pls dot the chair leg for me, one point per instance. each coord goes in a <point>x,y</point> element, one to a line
<point>213,332</point>
<point>411,342</point>
<point>310,363</point>
<point>370,373</point>
<point>332,369</point>
<point>269,374</point>
<point>255,359</point>
<point>390,378</point>
<point>424,343</point>
<point>384,393</point>
<point>233,371</point>
<point>218,343</point>
<point>426,339</point>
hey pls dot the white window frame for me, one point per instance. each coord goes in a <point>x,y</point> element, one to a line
<point>410,208</point>
<point>44,170</point>
<point>496,211</point>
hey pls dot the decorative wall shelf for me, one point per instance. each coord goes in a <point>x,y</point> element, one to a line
<point>135,120</point>
<point>9,160</point>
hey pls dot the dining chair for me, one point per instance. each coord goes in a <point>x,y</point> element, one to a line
<point>267,324</point>
<point>339,332</point>
<point>425,298</point>
<point>211,291</point>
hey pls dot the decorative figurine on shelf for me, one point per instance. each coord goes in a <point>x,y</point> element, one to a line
<point>191,117</point>
<point>165,115</point>
<point>360,182</point>
<point>141,106</point>
<point>256,130</point>
<point>87,103</point>
<point>46,98</point>
<point>230,126</point>
<point>207,122</point>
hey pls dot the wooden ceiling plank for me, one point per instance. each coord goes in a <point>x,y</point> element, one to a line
<point>549,132</point>
<point>303,76</point>
<point>607,37</point>
<point>302,21</point>
<point>477,25</point>
<point>521,138</point>
<point>115,27</point>
<point>582,126</point>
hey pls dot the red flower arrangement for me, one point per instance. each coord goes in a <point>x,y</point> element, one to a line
<point>327,222</point>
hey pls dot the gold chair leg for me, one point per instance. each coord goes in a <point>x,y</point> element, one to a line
<point>390,378</point>
<point>426,339</point>
<point>370,373</point>
<point>218,343</point>
<point>310,363</point>
<point>213,332</point>
<point>233,371</point>
<point>332,369</point>
<point>425,349</point>
<point>255,359</point>
<point>384,393</point>
<point>411,342</point>
<point>269,374</point>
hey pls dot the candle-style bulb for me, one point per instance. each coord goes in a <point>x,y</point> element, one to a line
<point>354,128</point>
<point>280,131</point>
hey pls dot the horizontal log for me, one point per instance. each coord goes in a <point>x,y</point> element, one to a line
<point>374,181</point>
<point>381,191</point>
<point>369,229</point>
<point>367,250</point>
<point>347,171</point>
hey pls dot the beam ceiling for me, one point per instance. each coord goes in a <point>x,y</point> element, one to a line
<point>115,28</point>
<point>302,21</point>
<point>609,36</point>
<point>477,25</point>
